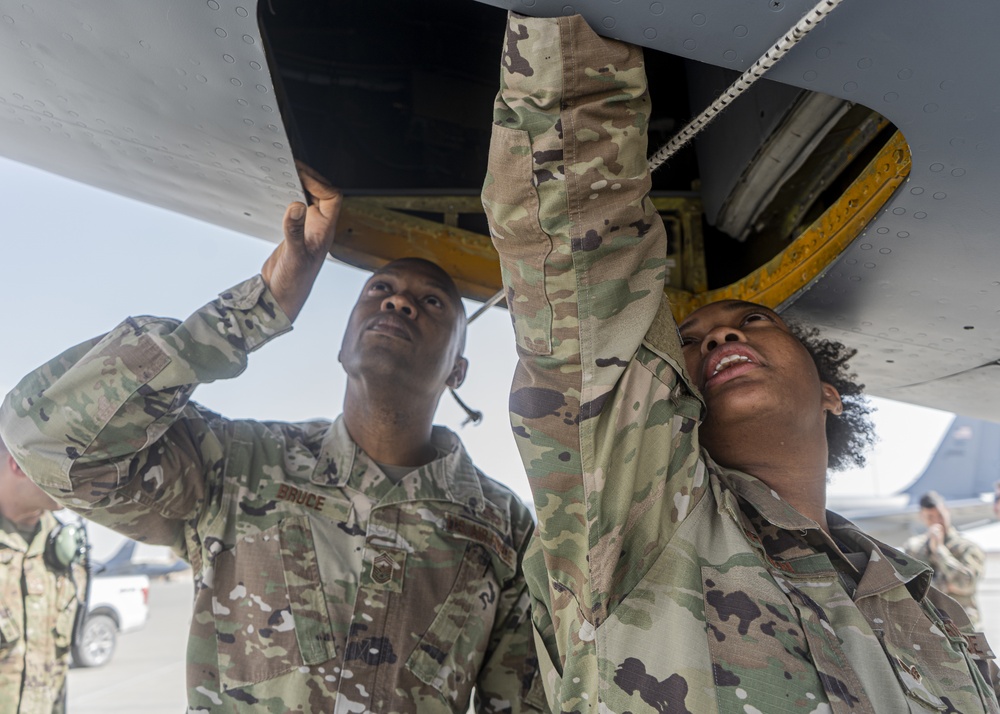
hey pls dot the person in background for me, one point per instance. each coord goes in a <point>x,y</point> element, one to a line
<point>40,594</point>
<point>361,564</point>
<point>958,563</point>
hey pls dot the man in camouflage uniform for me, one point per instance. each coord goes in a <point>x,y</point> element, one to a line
<point>363,565</point>
<point>958,563</point>
<point>685,562</point>
<point>38,598</point>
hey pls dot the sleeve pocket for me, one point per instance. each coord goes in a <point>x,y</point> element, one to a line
<point>549,672</point>
<point>511,203</point>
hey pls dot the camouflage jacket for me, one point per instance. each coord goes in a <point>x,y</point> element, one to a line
<point>320,584</point>
<point>958,564</point>
<point>37,607</point>
<point>660,581</point>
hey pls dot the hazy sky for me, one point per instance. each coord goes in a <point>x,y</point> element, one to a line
<point>76,261</point>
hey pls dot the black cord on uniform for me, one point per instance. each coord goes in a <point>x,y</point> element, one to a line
<point>476,417</point>
<point>472,415</point>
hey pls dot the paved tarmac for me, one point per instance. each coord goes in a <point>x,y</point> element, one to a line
<point>146,674</point>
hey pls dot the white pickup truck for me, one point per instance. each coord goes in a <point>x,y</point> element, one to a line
<point>118,603</point>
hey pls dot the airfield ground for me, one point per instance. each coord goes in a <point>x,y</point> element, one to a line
<point>147,672</point>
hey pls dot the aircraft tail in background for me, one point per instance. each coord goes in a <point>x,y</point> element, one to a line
<point>966,464</point>
<point>963,469</point>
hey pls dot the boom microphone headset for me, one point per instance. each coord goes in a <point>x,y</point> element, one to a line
<point>66,544</point>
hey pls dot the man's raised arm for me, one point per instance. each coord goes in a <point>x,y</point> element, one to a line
<point>291,269</point>
<point>107,427</point>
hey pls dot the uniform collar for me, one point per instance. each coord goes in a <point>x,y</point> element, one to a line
<point>764,499</point>
<point>10,535</point>
<point>452,477</point>
<point>887,566</point>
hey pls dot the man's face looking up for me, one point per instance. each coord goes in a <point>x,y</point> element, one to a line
<point>409,323</point>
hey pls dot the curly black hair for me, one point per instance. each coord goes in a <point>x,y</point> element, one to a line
<point>850,434</point>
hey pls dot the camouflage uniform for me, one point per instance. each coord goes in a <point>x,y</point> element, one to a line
<point>321,584</point>
<point>958,564</point>
<point>37,607</point>
<point>662,582</point>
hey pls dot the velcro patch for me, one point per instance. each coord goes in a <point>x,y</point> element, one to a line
<point>978,647</point>
<point>482,534</point>
<point>387,570</point>
<point>301,497</point>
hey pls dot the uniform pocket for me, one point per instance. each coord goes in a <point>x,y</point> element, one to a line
<point>912,675</point>
<point>66,603</point>
<point>930,658</point>
<point>10,631</point>
<point>63,631</point>
<point>446,655</point>
<point>511,203</point>
<point>10,628</point>
<point>754,634</point>
<point>269,606</point>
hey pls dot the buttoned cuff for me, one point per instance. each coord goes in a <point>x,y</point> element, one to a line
<point>259,317</point>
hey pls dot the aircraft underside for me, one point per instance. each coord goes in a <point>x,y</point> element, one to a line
<point>856,186</point>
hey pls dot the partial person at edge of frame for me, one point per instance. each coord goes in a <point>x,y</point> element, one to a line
<point>958,563</point>
<point>43,586</point>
